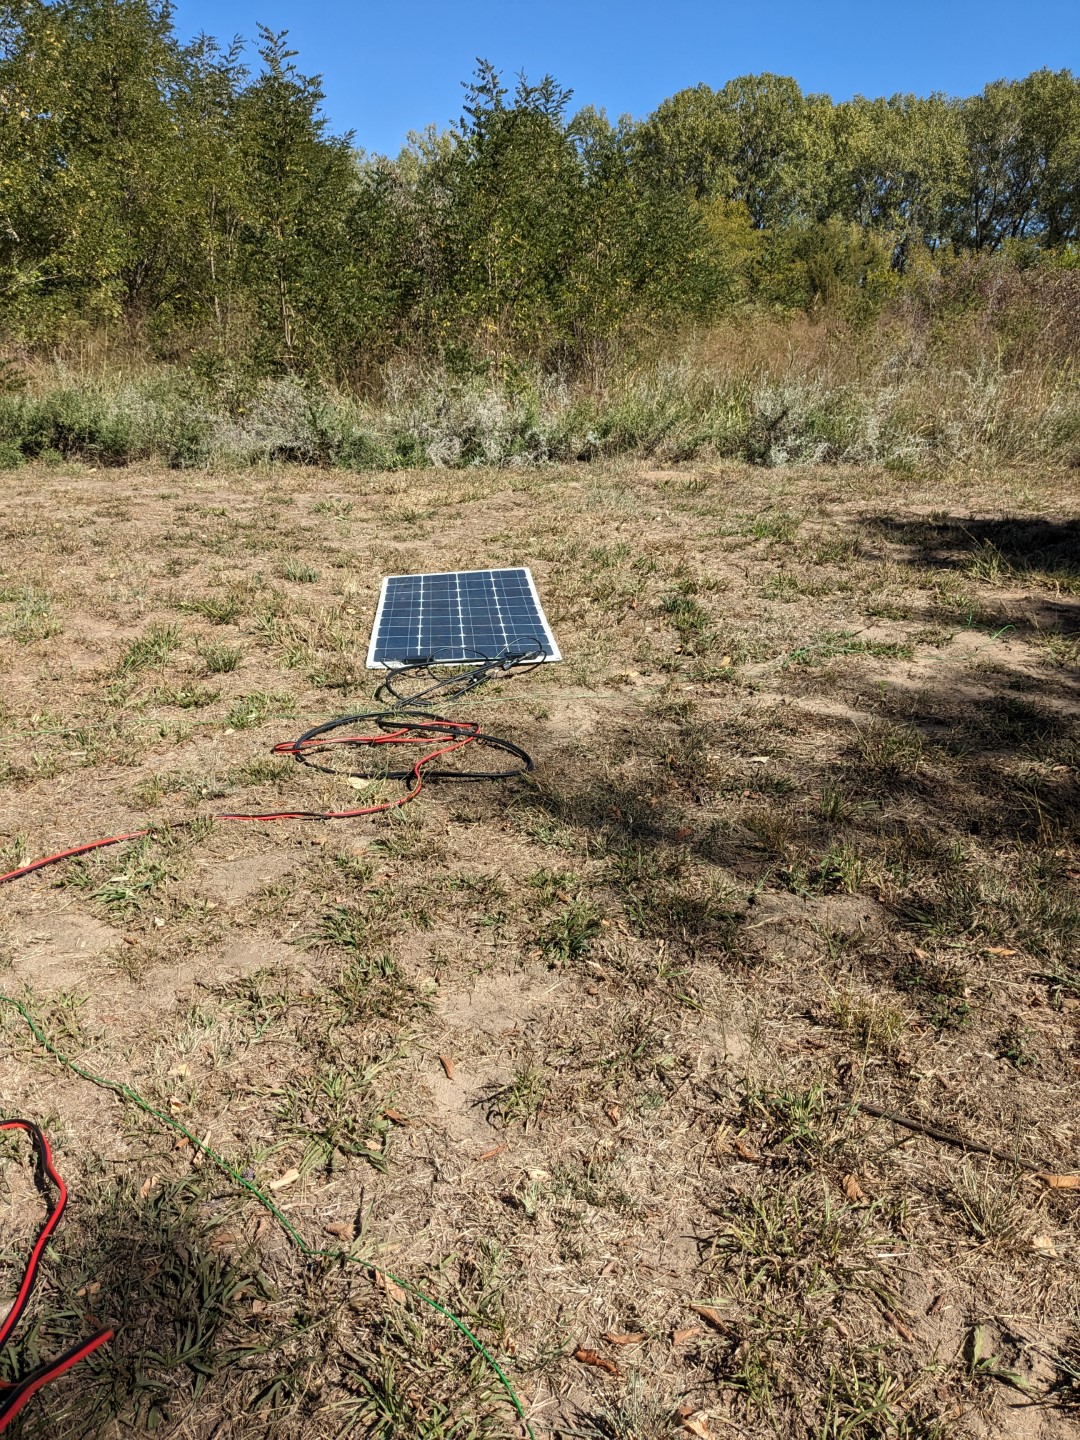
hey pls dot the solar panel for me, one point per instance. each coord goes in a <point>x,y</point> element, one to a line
<point>459,617</point>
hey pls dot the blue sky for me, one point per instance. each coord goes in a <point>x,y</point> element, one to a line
<point>392,67</point>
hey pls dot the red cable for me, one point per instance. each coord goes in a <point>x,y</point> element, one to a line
<point>20,1391</point>
<point>404,736</point>
<point>16,1394</point>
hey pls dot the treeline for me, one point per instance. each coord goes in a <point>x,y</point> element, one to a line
<point>194,209</point>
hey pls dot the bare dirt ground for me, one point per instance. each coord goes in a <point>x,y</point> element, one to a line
<point>579,1055</point>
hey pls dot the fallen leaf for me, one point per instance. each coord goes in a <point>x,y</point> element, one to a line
<point>1061,1182</point>
<point>146,1186</point>
<point>1000,950</point>
<point>259,1307</point>
<point>697,1426</point>
<point>373,1145</point>
<point>707,1312</point>
<point>448,1065</point>
<point>599,1362</point>
<point>490,1154</point>
<point>342,1230</point>
<point>396,1117</point>
<point>613,1339</point>
<point>899,1326</point>
<point>390,1285</point>
<point>1044,1246</point>
<point>742,1150</point>
<point>289,1178</point>
<point>680,1337</point>
<point>853,1190</point>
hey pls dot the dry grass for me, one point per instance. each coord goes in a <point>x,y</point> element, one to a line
<point>801,830</point>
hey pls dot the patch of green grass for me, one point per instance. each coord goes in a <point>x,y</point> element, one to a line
<point>299,572</point>
<point>32,614</point>
<point>846,642</point>
<point>521,1100</point>
<point>152,649</point>
<point>218,609</point>
<point>251,710</point>
<point>775,525</point>
<point>888,752</point>
<point>185,697</point>
<point>569,936</point>
<point>220,659</point>
<point>691,621</point>
<point>139,880</point>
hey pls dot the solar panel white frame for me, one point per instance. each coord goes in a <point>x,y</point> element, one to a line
<point>376,629</point>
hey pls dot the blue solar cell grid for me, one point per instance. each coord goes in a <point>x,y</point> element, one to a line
<point>457,617</point>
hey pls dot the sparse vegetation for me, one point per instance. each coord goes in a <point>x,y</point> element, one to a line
<point>609,1059</point>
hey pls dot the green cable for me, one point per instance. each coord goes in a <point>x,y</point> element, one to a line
<point>118,1088</point>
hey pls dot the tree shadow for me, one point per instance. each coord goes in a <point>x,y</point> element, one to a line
<point>167,1279</point>
<point>1020,547</point>
<point>951,808</point>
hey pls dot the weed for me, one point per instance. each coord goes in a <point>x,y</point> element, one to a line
<point>299,572</point>
<point>185,697</point>
<point>1014,1046</point>
<point>939,988</point>
<point>32,615</point>
<point>775,526</point>
<point>871,1021</point>
<point>691,621</point>
<point>371,985</point>
<point>846,642</point>
<point>570,935</point>
<point>151,649</point>
<point>888,752</point>
<point>126,892</point>
<point>992,1209</point>
<point>802,1120</point>
<point>521,1100</point>
<point>219,610</point>
<point>220,659</point>
<point>251,710</point>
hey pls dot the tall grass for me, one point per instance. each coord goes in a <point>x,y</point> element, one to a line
<point>934,382</point>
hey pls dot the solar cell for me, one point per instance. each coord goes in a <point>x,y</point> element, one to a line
<point>459,617</point>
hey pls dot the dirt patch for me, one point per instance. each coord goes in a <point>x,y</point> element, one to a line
<point>574,1054</point>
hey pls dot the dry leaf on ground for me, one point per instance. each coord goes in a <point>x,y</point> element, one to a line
<point>599,1362</point>
<point>853,1190</point>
